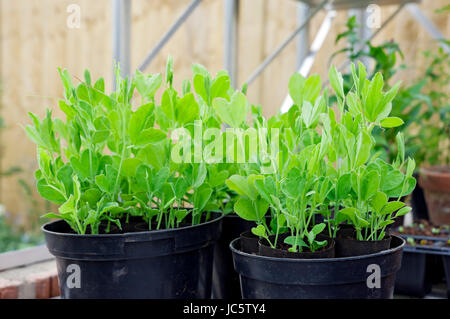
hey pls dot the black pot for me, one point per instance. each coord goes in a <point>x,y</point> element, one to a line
<point>350,277</point>
<point>249,242</point>
<point>422,266</point>
<point>266,250</point>
<point>413,278</point>
<point>418,204</point>
<point>446,262</point>
<point>347,245</point>
<point>225,279</point>
<point>172,263</point>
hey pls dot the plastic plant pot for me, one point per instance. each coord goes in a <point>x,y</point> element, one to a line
<point>422,266</point>
<point>362,277</point>
<point>168,263</point>
<point>225,279</point>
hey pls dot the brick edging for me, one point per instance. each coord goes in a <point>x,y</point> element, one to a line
<point>30,282</point>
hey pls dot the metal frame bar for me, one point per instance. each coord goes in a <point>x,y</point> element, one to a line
<point>427,24</point>
<point>364,32</point>
<point>166,37</point>
<point>309,60</point>
<point>231,39</point>
<point>122,34</point>
<point>283,45</point>
<point>354,4</point>
<point>303,11</point>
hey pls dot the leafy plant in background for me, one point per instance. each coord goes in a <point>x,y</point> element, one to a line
<point>13,237</point>
<point>434,122</point>
<point>407,104</point>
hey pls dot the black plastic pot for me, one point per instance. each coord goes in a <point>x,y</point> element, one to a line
<point>418,204</point>
<point>225,279</point>
<point>172,263</point>
<point>249,242</point>
<point>412,278</point>
<point>446,261</point>
<point>349,277</point>
<point>422,266</point>
<point>347,245</point>
<point>281,250</point>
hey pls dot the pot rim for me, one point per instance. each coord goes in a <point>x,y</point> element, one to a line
<point>317,260</point>
<point>430,171</point>
<point>160,231</point>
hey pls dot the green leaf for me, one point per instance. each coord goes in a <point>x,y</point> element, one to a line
<point>391,122</point>
<point>187,109</point>
<point>147,85</point>
<point>102,182</point>
<point>181,214</point>
<point>348,213</point>
<point>168,103</point>
<point>259,231</point>
<point>144,176</point>
<point>336,81</point>
<point>392,207</point>
<point>374,98</point>
<point>153,155</point>
<point>403,211</point>
<point>262,191</point>
<point>169,70</point>
<point>343,186</point>
<point>64,175</point>
<point>181,187</point>
<point>317,229</point>
<point>378,201</point>
<point>139,121</point>
<point>150,136</point>
<point>201,197</point>
<point>51,215</point>
<point>296,86</point>
<point>92,196</point>
<point>234,112</point>
<point>240,185</point>
<point>363,148</point>
<point>220,87</point>
<point>50,192</point>
<point>218,179</point>
<point>244,208</point>
<point>262,206</point>
<point>129,166</point>
<point>391,180</point>
<point>68,207</point>
<point>369,184</point>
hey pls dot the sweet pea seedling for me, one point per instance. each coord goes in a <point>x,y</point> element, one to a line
<point>111,157</point>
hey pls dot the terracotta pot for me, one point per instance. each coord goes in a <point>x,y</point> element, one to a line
<point>435,182</point>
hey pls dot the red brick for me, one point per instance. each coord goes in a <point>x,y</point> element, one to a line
<point>54,286</point>
<point>41,284</point>
<point>9,289</point>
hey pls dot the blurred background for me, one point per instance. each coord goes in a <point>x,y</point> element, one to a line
<point>38,36</point>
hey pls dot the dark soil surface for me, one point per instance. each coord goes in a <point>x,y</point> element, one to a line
<point>425,228</point>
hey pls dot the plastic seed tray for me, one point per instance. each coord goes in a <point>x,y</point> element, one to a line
<point>350,4</point>
<point>423,265</point>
